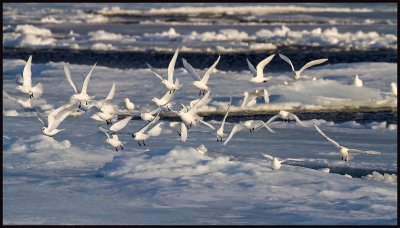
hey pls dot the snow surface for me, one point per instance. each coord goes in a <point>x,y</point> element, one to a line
<point>216,28</point>
<point>76,178</point>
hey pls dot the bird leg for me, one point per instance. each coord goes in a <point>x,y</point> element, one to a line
<point>121,147</point>
<point>179,133</point>
<point>116,149</point>
<point>80,104</point>
<point>204,92</point>
<point>143,142</point>
<point>199,93</point>
<point>139,143</point>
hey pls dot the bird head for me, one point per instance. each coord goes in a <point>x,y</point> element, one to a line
<point>297,75</point>
<point>133,135</point>
<point>43,129</point>
<point>18,87</point>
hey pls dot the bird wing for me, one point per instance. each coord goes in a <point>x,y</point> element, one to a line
<point>184,132</point>
<point>251,68</point>
<point>171,66</point>
<point>154,111</point>
<point>167,96</point>
<point>203,101</point>
<point>226,115</point>
<point>209,71</point>
<point>27,73</point>
<point>287,60</point>
<point>69,78</point>
<point>363,151</point>
<point>312,63</point>
<point>292,159</point>
<point>261,123</point>
<point>86,82</point>
<point>268,156</point>
<point>156,130</point>
<point>207,124</point>
<point>61,115</point>
<point>111,93</point>
<point>272,119</point>
<point>141,131</point>
<point>190,69</point>
<point>120,124</point>
<point>235,129</point>
<point>19,79</point>
<point>104,130</point>
<point>247,99</point>
<point>154,72</point>
<point>265,94</point>
<point>329,139</point>
<point>41,118</point>
<point>293,116</point>
<point>262,64</point>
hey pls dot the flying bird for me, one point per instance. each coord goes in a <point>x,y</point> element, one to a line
<point>258,73</point>
<point>249,98</point>
<point>169,82</point>
<point>286,116</point>
<point>276,163</point>
<point>344,151</point>
<point>252,125</point>
<point>220,131</point>
<point>55,118</point>
<point>189,115</point>
<point>25,82</point>
<point>81,96</point>
<point>297,74</point>
<point>200,83</point>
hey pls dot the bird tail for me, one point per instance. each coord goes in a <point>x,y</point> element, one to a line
<point>37,90</point>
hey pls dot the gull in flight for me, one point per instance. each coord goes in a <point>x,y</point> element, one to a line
<point>82,96</point>
<point>344,151</point>
<point>113,140</point>
<point>24,104</point>
<point>201,84</point>
<point>258,73</point>
<point>276,163</point>
<point>107,110</point>
<point>189,115</point>
<point>169,83</point>
<point>25,82</point>
<point>55,118</point>
<point>165,100</point>
<point>249,124</point>
<point>249,98</point>
<point>180,127</point>
<point>286,116</point>
<point>142,135</point>
<point>114,129</point>
<point>220,131</point>
<point>149,116</point>
<point>128,104</point>
<point>297,73</point>
<point>357,81</point>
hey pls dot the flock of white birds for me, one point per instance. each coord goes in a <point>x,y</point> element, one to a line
<point>80,102</point>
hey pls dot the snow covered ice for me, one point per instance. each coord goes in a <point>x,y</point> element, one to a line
<point>75,177</point>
